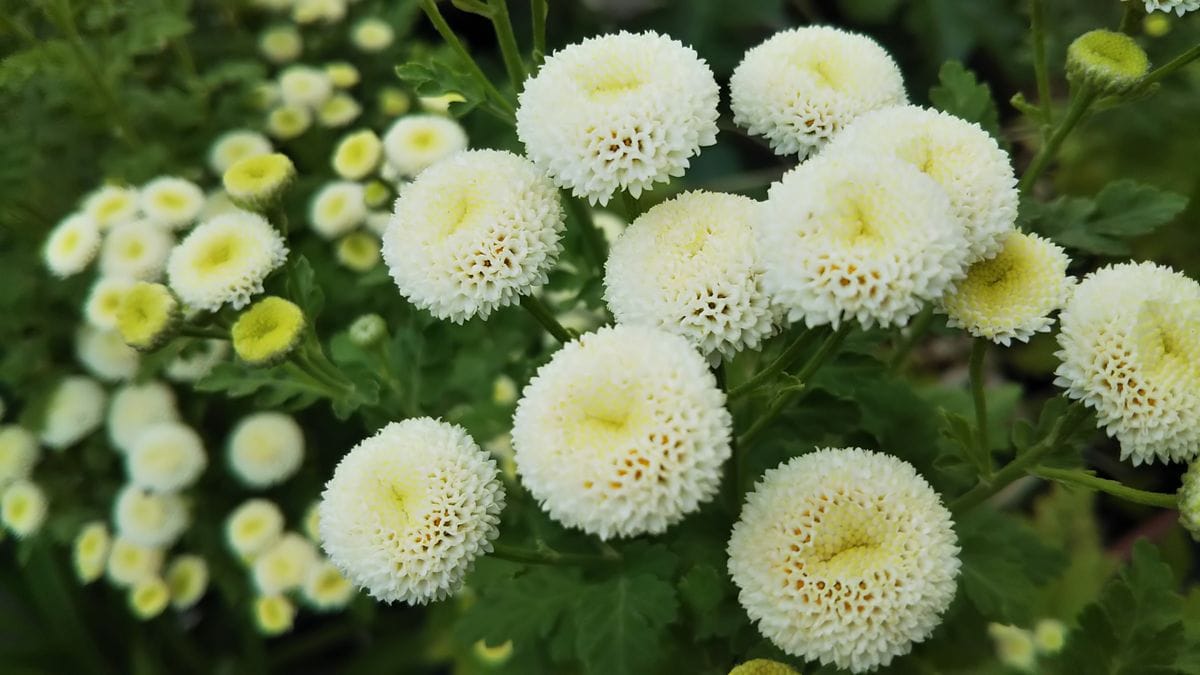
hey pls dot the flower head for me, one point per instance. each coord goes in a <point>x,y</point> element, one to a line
<point>357,155</point>
<point>257,182</point>
<point>415,142</point>
<point>474,233</point>
<point>19,452</point>
<point>137,250</point>
<point>305,86</point>
<point>149,519</point>
<point>1109,61</point>
<point>372,35</point>
<point>23,508</point>
<point>622,433</point>
<point>338,110</point>
<point>288,121</point>
<point>253,527</point>
<point>137,407</point>
<point>803,86</point>
<point>171,202</point>
<point>959,155</point>
<point>844,556</point>
<point>1130,350</point>
<point>111,205</point>
<point>225,260</point>
<point>1049,636</point>
<point>858,237</point>
<point>266,448</point>
<point>394,102</point>
<point>72,245</point>
<point>147,315</point>
<point>75,410</point>
<point>129,563</point>
<point>234,146</point>
<point>1180,7</point>
<point>325,588</point>
<point>367,330</point>
<point>274,614</point>
<point>281,44</point>
<point>166,457</point>
<point>1011,295</point>
<point>763,667</point>
<point>409,509</point>
<point>337,208</point>
<point>284,565</point>
<point>342,74</point>
<point>90,551</point>
<point>1014,647</point>
<point>104,300</point>
<point>268,331</point>
<point>618,112</point>
<point>358,251</point>
<point>105,354</point>
<point>690,266</point>
<point>148,597</point>
<point>187,579</point>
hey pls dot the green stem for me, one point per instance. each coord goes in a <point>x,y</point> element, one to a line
<point>303,375</point>
<point>1042,74</point>
<point>917,330</point>
<point>1129,19</point>
<point>1017,468</point>
<point>547,556</point>
<point>826,351</point>
<point>978,393</point>
<point>447,33</point>
<point>1080,102</point>
<point>595,245</point>
<point>785,360</point>
<point>539,10</point>
<point>509,50</point>
<point>1171,66</point>
<point>1112,487</point>
<point>544,316</point>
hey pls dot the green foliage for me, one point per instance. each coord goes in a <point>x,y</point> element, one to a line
<point>959,93</point>
<point>1004,565</point>
<point>1103,225</point>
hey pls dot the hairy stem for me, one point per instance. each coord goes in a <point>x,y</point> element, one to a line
<point>1171,66</point>
<point>1112,487</point>
<point>979,395</point>
<point>544,316</point>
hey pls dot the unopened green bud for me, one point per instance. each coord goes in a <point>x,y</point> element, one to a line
<point>367,330</point>
<point>763,667</point>
<point>1049,636</point>
<point>1109,62</point>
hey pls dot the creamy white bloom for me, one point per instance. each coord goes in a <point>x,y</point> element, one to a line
<point>304,86</point>
<point>1011,295</point>
<point>100,308</point>
<point>171,202</point>
<point>149,519</point>
<point>858,237</point>
<point>803,86</point>
<point>129,563</point>
<point>281,44</point>
<point>415,142</point>
<point>618,112</point>
<point>409,509</point>
<point>89,551</point>
<point>622,433</point>
<point>284,565</point>
<point>105,354</point>
<point>75,410</point>
<point>690,266</point>
<point>357,155</point>
<point>313,11</point>
<point>187,578</point>
<point>266,448</point>
<point>474,233</point>
<point>342,74</point>
<point>23,508</point>
<point>963,158</point>
<point>225,260</point>
<point>337,208</point>
<point>166,457</point>
<point>136,407</point>
<point>325,588</point>
<point>288,121</point>
<point>844,556</point>
<point>111,205</point>
<point>197,360</point>
<point>19,452</point>
<point>274,614</point>
<point>338,110</point>
<point>1130,350</point>
<point>237,145</point>
<point>372,35</point>
<point>253,527</point>
<point>137,250</point>
<point>1180,7</point>
<point>72,245</point>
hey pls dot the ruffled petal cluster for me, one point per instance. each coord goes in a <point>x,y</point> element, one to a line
<point>225,260</point>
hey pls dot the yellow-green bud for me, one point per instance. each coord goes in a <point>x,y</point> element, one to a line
<point>147,315</point>
<point>763,667</point>
<point>1109,62</point>
<point>274,614</point>
<point>493,656</point>
<point>257,182</point>
<point>267,332</point>
<point>1156,24</point>
<point>358,251</point>
<point>1014,646</point>
<point>1049,636</point>
<point>367,330</point>
<point>376,194</point>
<point>394,102</point>
<point>342,74</point>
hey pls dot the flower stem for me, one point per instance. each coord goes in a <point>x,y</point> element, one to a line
<point>1017,468</point>
<point>548,556</point>
<point>917,330</point>
<point>544,316</point>
<point>780,364</point>
<point>439,23</point>
<point>978,393</point>
<point>509,50</point>
<point>1037,14</point>
<point>1080,102</point>
<point>826,351</point>
<point>539,10</point>
<point>1171,66</point>
<point>1112,487</point>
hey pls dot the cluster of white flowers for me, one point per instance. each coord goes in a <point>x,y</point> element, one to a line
<point>23,504</point>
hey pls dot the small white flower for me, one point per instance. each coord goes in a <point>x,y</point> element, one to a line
<point>135,250</point>
<point>23,508</point>
<point>89,552</point>
<point>105,354</point>
<point>72,245</point>
<point>100,308</point>
<point>171,202</point>
<point>237,145</point>
<point>75,410</point>
<point>253,527</point>
<point>166,457</point>
<point>357,155</point>
<point>19,452</point>
<point>266,448</point>
<point>281,44</point>
<point>137,407</point>
<point>284,566</point>
<point>337,208</point>
<point>372,35</point>
<point>149,519</point>
<point>225,260</point>
<point>129,563</point>
<point>415,142</point>
<point>111,205</point>
<point>305,86</point>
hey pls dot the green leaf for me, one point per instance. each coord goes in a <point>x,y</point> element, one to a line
<point>622,622</point>
<point>525,609</point>
<point>436,75</point>
<point>959,93</point>
<point>303,289</point>
<point>1003,566</point>
<point>1125,208</point>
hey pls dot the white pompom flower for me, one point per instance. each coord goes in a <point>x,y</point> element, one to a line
<point>105,354</point>
<point>325,588</point>
<point>844,556</point>
<point>72,245</point>
<point>372,35</point>
<point>690,266</point>
<point>338,110</point>
<point>129,563</point>
<point>409,509</point>
<point>111,205</point>
<point>1011,295</point>
<point>474,233</point>
<point>253,527</point>
<point>19,452</point>
<point>266,448</point>
<point>23,508</point>
<point>415,142</point>
<point>281,44</point>
<point>622,433</point>
<point>337,208</point>
<point>858,237</point>
<point>618,112</point>
<point>136,250</point>
<point>225,260</point>
<point>803,86</point>
<point>357,155</point>
<point>166,457</point>
<point>1180,7</point>
<point>963,158</point>
<point>100,308</point>
<point>284,565</point>
<point>76,409</point>
<point>171,202</point>
<point>234,146</point>
<point>1130,350</point>
<point>137,407</point>
<point>149,519</point>
<point>305,86</point>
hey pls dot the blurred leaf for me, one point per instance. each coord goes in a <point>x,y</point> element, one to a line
<point>622,622</point>
<point>437,76</point>
<point>961,95</point>
<point>1003,566</point>
<point>1125,208</point>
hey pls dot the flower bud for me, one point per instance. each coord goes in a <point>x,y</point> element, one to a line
<point>1110,62</point>
<point>256,182</point>
<point>763,667</point>
<point>1049,636</point>
<point>1189,501</point>
<point>147,315</point>
<point>367,330</point>
<point>267,332</point>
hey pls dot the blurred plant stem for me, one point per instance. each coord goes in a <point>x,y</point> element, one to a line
<point>1081,100</point>
<point>784,361</point>
<point>916,330</point>
<point>544,555</point>
<point>1171,66</point>
<point>538,9</point>
<point>979,395</point>
<point>1037,13</point>
<point>544,316</point>
<point>509,50</point>
<point>1112,487</point>
<point>595,246</point>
